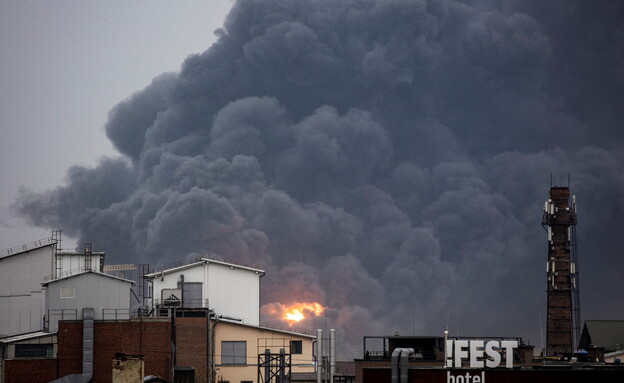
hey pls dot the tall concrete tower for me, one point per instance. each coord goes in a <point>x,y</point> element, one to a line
<point>563,312</point>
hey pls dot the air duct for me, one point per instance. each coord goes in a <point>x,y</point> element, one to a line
<point>399,364</point>
<point>403,366</point>
<point>88,315</point>
<point>394,363</point>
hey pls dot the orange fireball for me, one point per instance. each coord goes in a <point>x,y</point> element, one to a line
<point>298,311</point>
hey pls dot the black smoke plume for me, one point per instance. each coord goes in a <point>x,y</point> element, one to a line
<point>388,159</point>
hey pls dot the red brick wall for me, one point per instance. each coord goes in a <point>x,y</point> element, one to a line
<point>149,338</point>
<point>30,370</point>
<point>191,345</point>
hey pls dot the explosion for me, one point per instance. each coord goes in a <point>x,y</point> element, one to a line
<point>294,312</point>
<point>299,311</point>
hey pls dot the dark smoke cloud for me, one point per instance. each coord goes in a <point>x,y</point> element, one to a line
<point>388,159</point>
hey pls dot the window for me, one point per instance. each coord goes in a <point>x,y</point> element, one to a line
<point>45,350</point>
<point>296,347</point>
<point>191,294</point>
<point>233,352</point>
<point>67,293</point>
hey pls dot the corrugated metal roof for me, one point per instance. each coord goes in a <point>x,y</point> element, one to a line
<point>606,333</point>
<point>87,272</point>
<point>201,262</point>
<point>27,336</point>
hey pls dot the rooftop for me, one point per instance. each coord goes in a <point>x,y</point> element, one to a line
<point>202,261</point>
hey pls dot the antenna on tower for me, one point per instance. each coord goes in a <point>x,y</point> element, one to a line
<point>568,180</point>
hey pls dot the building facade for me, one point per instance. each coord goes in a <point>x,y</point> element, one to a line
<point>23,269</point>
<point>66,297</point>
<point>230,290</point>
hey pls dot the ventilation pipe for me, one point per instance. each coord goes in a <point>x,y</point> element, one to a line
<point>319,355</point>
<point>88,315</point>
<point>332,354</point>
<point>399,363</point>
<point>403,366</point>
<point>394,362</point>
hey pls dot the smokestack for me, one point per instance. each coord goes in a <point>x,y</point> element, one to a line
<point>562,307</point>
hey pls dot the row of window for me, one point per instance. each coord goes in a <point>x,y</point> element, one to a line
<point>235,352</point>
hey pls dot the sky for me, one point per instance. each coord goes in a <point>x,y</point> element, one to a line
<point>387,159</point>
<point>64,65</point>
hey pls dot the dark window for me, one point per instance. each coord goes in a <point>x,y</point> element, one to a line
<point>246,381</point>
<point>233,352</point>
<point>45,350</point>
<point>191,294</point>
<point>296,347</point>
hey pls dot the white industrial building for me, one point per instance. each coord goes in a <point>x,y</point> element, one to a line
<point>230,290</point>
<point>22,271</point>
<point>65,298</point>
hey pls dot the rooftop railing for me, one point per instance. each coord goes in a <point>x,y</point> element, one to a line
<point>27,246</point>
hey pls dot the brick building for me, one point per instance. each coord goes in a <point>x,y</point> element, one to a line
<point>166,345</point>
<point>150,337</point>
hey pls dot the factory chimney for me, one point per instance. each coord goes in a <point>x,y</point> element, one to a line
<point>563,308</point>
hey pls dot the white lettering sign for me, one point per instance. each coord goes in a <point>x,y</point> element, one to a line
<point>475,350</point>
<point>465,378</point>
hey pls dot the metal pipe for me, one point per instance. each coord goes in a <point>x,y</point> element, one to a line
<point>404,364</point>
<point>319,355</point>
<point>445,348</point>
<point>332,354</point>
<point>213,372</point>
<point>394,363</point>
<point>282,364</point>
<point>87,351</point>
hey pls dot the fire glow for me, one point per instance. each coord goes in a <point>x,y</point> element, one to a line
<point>299,311</point>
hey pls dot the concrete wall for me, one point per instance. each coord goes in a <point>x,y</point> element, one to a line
<point>231,291</point>
<point>21,295</point>
<point>110,297</point>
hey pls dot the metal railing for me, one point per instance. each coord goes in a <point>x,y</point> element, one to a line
<point>67,273</point>
<point>186,303</point>
<point>116,314</point>
<point>27,246</point>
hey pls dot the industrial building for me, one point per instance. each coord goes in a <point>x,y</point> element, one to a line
<point>22,271</point>
<point>66,297</point>
<point>569,356</point>
<point>63,317</point>
<point>212,349</point>
<point>230,290</point>
<point>202,324</point>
